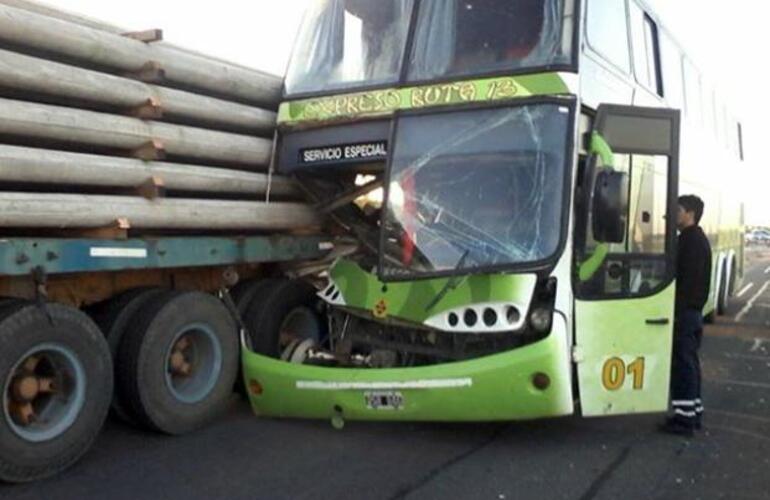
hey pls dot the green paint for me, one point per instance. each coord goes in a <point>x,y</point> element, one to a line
<point>601,148</point>
<point>409,301</point>
<point>618,329</point>
<point>385,102</point>
<point>500,387</point>
<point>591,265</point>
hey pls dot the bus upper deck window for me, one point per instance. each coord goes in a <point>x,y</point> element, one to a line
<point>349,43</point>
<point>465,37</point>
<point>510,31</point>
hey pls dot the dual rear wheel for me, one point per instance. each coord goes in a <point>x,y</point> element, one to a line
<point>171,358</point>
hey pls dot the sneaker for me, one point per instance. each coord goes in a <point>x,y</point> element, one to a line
<point>677,427</point>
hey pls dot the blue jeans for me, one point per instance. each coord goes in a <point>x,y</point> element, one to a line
<point>685,368</point>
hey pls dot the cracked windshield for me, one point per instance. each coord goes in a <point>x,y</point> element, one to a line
<point>476,189</point>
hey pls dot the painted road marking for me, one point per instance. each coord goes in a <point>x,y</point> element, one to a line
<point>757,344</point>
<point>745,289</point>
<point>740,432</point>
<point>756,385</point>
<point>767,271</point>
<point>750,358</point>
<point>751,301</point>
<point>739,415</point>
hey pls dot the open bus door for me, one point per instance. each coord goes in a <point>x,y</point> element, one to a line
<point>625,258</point>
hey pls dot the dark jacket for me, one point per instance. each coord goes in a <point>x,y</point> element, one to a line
<point>693,269</point>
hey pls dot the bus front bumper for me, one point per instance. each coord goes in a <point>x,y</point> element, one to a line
<point>498,387</point>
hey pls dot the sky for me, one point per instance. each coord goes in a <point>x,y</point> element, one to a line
<point>729,40</point>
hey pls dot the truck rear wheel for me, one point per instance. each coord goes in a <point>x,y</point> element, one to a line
<point>286,315</point>
<point>178,361</point>
<point>113,318</point>
<point>56,378</point>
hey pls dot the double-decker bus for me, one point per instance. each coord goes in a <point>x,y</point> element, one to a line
<point>507,174</point>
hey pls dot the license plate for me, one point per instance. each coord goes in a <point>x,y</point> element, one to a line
<point>384,400</point>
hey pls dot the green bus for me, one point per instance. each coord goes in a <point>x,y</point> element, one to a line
<point>503,178</point>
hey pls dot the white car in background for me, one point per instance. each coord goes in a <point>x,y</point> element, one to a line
<point>758,237</point>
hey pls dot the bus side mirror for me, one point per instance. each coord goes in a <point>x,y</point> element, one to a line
<point>610,206</point>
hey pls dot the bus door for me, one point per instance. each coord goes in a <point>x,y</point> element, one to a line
<point>625,245</point>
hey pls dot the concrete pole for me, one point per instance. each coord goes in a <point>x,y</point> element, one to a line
<point>33,75</point>
<point>89,22</point>
<point>46,167</point>
<point>32,210</point>
<point>121,54</point>
<point>89,128</point>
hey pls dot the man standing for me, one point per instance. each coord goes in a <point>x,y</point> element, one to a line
<point>693,275</point>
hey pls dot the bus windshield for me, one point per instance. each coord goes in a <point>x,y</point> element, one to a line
<point>344,44</point>
<point>482,188</point>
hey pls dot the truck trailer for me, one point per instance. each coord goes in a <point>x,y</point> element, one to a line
<point>138,215</point>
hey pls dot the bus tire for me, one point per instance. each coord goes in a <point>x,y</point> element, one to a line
<point>266,318</point>
<point>178,362</point>
<point>243,294</point>
<point>723,299</point>
<point>113,318</point>
<point>247,292</point>
<point>45,351</point>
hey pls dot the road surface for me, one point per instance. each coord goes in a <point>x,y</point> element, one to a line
<point>242,457</point>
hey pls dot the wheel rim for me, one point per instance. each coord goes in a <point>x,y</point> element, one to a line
<point>301,323</point>
<point>44,393</point>
<point>193,363</point>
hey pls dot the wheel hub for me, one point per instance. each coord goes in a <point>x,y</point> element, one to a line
<point>179,363</point>
<point>193,363</point>
<point>34,403</point>
<point>26,391</point>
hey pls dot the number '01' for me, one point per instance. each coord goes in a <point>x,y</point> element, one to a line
<point>615,371</point>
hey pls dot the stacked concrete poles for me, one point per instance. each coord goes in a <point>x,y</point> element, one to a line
<point>95,111</point>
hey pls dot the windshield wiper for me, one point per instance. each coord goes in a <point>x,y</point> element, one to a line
<point>451,283</point>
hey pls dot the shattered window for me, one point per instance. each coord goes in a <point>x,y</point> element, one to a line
<point>475,189</point>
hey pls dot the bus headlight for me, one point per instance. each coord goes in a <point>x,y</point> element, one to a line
<point>540,319</point>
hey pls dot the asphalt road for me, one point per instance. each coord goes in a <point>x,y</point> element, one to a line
<point>571,458</point>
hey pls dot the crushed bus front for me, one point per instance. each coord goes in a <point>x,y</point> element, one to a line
<point>526,383</point>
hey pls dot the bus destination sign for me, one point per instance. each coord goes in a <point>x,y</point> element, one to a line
<point>345,153</point>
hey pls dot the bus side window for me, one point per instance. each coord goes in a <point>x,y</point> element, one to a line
<point>644,33</point>
<point>607,31</point>
<point>673,78</point>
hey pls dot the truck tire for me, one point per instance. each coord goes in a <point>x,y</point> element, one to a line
<point>47,351</point>
<point>288,305</point>
<point>178,361</point>
<point>113,317</point>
